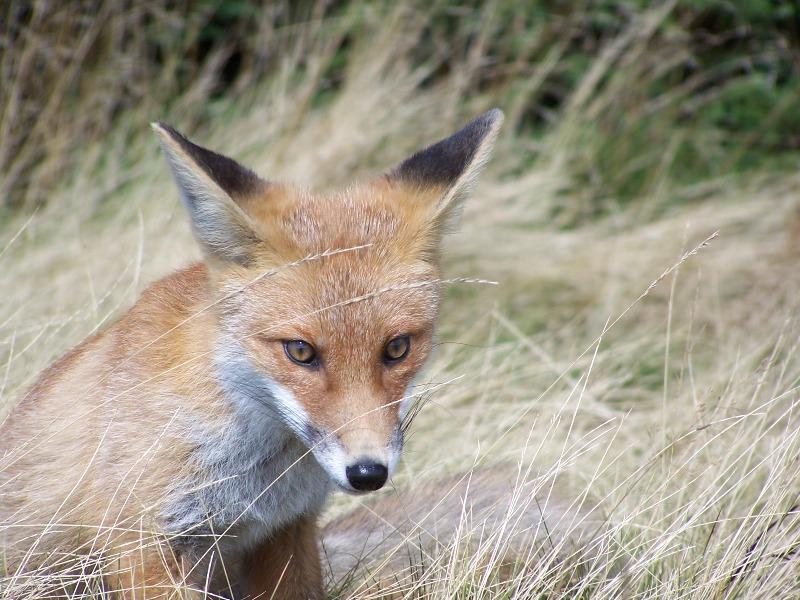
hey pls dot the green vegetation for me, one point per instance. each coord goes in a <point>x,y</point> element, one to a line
<point>678,91</point>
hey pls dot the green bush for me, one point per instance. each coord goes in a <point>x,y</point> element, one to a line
<point>712,83</point>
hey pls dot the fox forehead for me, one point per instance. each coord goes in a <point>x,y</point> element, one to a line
<point>349,261</point>
<point>354,295</point>
<point>299,223</point>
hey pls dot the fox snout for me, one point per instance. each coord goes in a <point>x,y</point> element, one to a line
<point>366,476</point>
<point>359,474</point>
<point>360,459</point>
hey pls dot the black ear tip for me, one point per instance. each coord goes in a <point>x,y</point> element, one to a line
<point>447,160</point>
<point>161,128</point>
<point>494,116</point>
<point>485,125</point>
<point>488,121</point>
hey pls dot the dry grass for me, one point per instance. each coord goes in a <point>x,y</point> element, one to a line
<point>673,405</point>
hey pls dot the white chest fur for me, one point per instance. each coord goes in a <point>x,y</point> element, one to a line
<point>253,477</point>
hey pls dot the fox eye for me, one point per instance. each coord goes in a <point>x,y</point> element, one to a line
<point>300,352</point>
<point>396,349</point>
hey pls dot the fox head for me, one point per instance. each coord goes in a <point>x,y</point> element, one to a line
<point>326,303</point>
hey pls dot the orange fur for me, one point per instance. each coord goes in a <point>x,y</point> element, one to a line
<point>122,439</point>
<point>289,560</point>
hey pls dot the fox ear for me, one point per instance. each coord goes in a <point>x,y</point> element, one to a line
<point>209,185</point>
<point>451,165</point>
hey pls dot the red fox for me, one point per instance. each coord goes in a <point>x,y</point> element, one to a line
<point>193,443</point>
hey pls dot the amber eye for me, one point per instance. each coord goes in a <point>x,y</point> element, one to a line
<point>396,349</point>
<point>300,352</point>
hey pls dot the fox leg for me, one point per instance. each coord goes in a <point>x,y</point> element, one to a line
<point>286,566</point>
<point>143,576</point>
<point>150,571</point>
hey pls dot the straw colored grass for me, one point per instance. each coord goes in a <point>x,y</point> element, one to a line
<point>647,359</point>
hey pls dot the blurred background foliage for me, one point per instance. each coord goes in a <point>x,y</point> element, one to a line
<point>641,93</point>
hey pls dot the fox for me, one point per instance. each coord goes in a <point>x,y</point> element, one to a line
<point>193,443</point>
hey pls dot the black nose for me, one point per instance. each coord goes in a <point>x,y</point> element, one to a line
<point>367,477</point>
